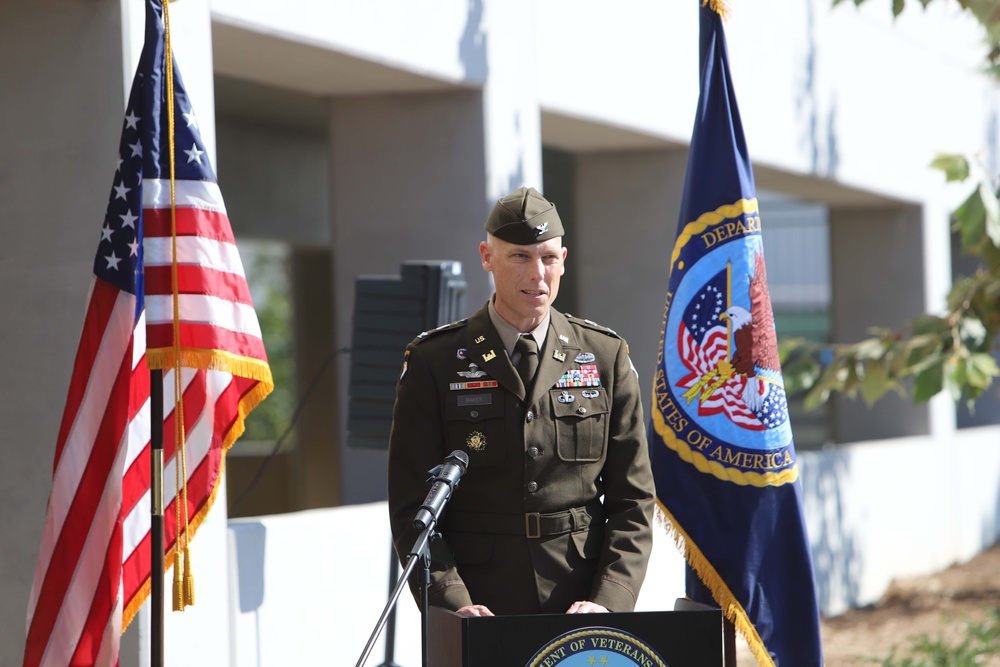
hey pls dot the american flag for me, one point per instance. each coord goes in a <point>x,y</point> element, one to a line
<point>93,570</point>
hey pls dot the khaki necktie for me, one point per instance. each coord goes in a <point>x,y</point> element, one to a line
<point>528,363</point>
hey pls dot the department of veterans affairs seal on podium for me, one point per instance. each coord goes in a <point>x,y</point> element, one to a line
<point>597,647</point>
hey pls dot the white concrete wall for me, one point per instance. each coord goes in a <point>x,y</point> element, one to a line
<point>310,587</point>
<point>895,508</point>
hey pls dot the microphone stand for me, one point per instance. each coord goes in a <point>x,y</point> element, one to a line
<point>420,553</point>
<point>445,478</point>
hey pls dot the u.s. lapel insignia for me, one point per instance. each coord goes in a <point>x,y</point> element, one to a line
<point>473,372</point>
<point>489,356</point>
<point>584,358</point>
<point>480,339</point>
<point>558,355</point>
<point>476,441</point>
<point>566,397</point>
<point>564,338</point>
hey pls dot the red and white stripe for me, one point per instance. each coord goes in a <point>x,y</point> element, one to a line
<point>95,558</point>
<point>701,360</point>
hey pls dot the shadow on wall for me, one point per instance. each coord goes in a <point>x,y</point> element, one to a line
<point>251,542</point>
<point>836,559</point>
<point>472,45</point>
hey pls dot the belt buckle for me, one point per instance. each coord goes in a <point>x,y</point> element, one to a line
<point>528,532</point>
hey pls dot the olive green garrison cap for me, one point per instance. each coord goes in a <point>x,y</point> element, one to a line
<point>524,217</point>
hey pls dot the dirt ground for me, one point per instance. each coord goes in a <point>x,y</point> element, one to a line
<point>935,605</point>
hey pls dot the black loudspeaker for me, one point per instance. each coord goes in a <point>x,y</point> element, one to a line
<point>389,312</point>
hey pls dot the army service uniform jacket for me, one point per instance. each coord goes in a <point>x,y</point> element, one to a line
<point>526,530</point>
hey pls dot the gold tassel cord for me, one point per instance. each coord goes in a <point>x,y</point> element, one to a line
<point>183,578</point>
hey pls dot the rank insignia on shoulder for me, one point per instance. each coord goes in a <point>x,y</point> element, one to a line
<point>584,358</point>
<point>473,372</point>
<point>489,356</point>
<point>476,441</point>
<point>558,355</point>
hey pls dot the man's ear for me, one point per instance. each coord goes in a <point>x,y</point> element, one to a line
<point>486,255</point>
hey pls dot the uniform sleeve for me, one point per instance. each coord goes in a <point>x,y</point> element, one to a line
<point>629,495</point>
<point>416,445</point>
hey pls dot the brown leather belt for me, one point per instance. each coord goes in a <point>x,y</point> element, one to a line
<point>532,525</point>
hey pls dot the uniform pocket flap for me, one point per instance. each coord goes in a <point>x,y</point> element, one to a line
<point>579,402</point>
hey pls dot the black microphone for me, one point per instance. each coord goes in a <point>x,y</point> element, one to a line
<point>445,478</point>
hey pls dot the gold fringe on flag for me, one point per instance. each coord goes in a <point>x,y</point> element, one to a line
<point>720,7</point>
<point>731,607</point>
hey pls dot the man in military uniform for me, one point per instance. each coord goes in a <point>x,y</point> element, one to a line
<point>554,513</point>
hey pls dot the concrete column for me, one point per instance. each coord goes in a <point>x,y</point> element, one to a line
<point>61,116</point>
<point>627,205</point>
<point>877,271</point>
<point>407,182</point>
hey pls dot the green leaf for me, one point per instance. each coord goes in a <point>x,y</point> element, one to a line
<point>875,382</point>
<point>955,167</point>
<point>800,374</point>
<point>970,218</point>
<point>972,332</point>
<point>870,348</point>
<point>991,257</point>
<point>981,368</point>
<point>929,382</point>
<point>931,325</point>
<point>897,7</point>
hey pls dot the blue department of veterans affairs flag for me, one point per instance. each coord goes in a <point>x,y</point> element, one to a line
<point>720,439</point>
<point>95,560</point>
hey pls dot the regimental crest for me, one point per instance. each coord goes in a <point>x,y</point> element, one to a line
<point>719,388</point>
<point>476,441</point>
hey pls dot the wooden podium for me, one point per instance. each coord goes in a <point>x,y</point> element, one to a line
<point>677,638</point>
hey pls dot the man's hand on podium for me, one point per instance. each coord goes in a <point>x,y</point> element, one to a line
<point>474,610</point>
<point>586,607</point>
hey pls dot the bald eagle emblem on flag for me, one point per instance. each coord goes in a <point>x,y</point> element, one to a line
<point>720,386</point>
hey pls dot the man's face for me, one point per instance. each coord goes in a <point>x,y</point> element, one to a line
<point>526,278</point>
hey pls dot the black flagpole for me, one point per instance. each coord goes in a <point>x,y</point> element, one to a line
<point>156,527</point>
